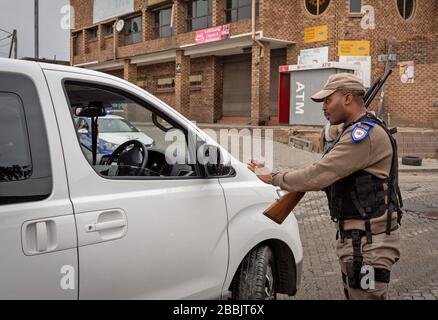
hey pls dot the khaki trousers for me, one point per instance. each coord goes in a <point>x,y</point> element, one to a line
<point>382,253</point>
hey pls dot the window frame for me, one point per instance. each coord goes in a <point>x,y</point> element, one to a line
<point>131,34</point>
<point>209,15</point>
<point>192,80</point>
<point>166,89</point>
<point>354,12</point>
<point>199,170</point>
<point>39,185</point>
<point>318,14</point>
<point>75,44</point>
<point>108,26</point>
<point>414,10</point>
<point>156,23</point>
<point>238,8</point>
<point>25,133</point>
<point>93,31</point>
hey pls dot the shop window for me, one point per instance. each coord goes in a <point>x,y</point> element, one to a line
<point>316,7</point>
<point>198,14</point>
<point>239,10</point>
<point>406,8</point>
<point>162,21</point>
<point>109,29</point>
<point>133,30</point>
<point>75,37</point>
<point>355,6</point>
<point>165,83</point>
<point>92,34</point>
<point>196,80</point>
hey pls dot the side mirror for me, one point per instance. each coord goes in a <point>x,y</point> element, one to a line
<point>215,164</point>
<point>161,123</point>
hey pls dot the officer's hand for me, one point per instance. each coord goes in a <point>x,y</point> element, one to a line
<point>261,171</point>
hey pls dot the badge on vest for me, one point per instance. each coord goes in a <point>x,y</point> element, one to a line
<point>361,131</point>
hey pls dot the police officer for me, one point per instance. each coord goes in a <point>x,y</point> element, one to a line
<point>360,177</point>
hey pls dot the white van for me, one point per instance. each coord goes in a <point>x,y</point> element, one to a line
<point>79,224</point>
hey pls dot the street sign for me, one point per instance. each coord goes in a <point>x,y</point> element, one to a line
<point>386,57</point>
<point>353,48</point>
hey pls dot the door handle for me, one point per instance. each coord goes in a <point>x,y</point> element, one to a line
<point>95,227</point>
<point>48,235</point>
<point>41,236</point>
<point>100,226</point>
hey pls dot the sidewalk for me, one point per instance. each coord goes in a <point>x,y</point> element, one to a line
<point>287,157</point>
<point>422,142</point>
<point>429,165</point>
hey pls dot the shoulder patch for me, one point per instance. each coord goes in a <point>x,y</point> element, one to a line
<point>361,132</point>
<point>369,123</point>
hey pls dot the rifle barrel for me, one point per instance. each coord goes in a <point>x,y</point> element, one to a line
<point>370,89</point>
<point>375,88</point>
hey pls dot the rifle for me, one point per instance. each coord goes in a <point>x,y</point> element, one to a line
<point>281,208</point>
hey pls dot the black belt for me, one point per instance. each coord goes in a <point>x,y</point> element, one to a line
<point>347,234</point>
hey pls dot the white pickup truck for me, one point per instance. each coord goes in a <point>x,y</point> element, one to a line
<point>127,223</point>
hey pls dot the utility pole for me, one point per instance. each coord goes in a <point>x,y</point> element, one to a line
<point>13,44</point>
<point>381,108</point>
<point>36,5</point>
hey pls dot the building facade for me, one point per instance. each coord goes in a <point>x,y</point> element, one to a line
<point>211,61</point>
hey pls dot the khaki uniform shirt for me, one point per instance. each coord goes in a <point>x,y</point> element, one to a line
<point>373,155</point>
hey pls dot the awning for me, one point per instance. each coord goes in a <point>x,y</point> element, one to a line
<point>102,66</point>
<point>237,44</point>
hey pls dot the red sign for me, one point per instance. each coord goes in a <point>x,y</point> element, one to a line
<point>213,34</point>
<point>283,68</point>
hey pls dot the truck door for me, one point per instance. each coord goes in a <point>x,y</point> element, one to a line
<point>38,243</point>
<point>154,232</point>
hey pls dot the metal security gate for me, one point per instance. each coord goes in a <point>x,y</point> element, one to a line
<point>237,85</point>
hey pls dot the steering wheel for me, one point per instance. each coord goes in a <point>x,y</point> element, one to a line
<point>137,156</point>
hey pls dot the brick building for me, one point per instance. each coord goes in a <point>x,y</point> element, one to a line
<point>236,77</point>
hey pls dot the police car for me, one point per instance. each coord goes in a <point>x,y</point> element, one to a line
<point>113,131</point>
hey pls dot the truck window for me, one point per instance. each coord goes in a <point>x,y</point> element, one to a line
<point>25,166</point>
<point>131,139</point>
<point>15,161</point>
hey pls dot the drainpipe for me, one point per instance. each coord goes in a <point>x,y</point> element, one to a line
<point>253,22</point>
<point>115,38</point>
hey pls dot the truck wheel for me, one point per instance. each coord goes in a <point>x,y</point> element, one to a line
<point>256,277</point>
<point>412,161</point>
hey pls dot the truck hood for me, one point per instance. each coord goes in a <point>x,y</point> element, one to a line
<point>121,137</point>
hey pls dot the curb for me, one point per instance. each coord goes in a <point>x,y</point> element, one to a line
<point>409,170</point>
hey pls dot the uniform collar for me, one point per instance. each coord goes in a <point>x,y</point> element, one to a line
<point>356,120</point>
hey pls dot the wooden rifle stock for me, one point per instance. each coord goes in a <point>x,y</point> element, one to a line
<point>280,209</point>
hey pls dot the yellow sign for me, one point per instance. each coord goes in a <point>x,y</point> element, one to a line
<point>315,34</point>
<point>353,48</point>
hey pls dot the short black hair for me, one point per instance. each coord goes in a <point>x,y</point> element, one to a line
<point>358,95</point>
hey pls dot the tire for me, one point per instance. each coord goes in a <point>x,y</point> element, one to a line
<point>256,278</point>
<point>412,161</point>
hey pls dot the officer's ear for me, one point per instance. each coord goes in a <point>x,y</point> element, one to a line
<point>348,98</point>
